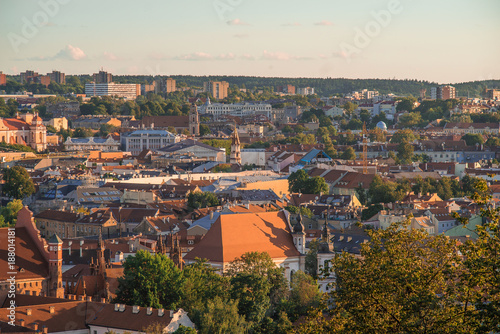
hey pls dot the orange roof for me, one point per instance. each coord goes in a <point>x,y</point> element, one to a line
<point>30,263</point>
<point>231,236</point>
<point>15,124</point>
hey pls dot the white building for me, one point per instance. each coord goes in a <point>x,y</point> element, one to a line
<point>128,91</point>
<point>305,91</point>
<point>235,109</point>
<point>91,144</point>
<point>195,149</point>
<point>140,140</point>
<point>250,156</point>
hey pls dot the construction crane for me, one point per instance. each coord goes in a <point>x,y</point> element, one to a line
<point>365,149</point>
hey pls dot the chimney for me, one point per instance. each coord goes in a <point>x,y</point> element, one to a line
<point>161,312</point>
<point>35,326</point>
<point>171,313</point>
<point>82,298</point>
<point>135,309</point>
<point>349,239</point>
<point>69,245</point>
<point>122,307</point>
<point>89,298</point>
<point>81,250</point>
<point>117,306</point>
<point>21,322</point>
<point>149,310</point>
<point>28,311</point>
<point>45,329</point>
<point>103,300</point>
<point>51,309</point>
<point>211,215</point>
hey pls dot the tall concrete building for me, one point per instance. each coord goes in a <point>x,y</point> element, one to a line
<point>218,89</point>
<point>492,94</point>
<point>443,93</point>
<point>129,91</point>
<point>103,77</point>
<point>57,77</point>
<point>3,79</point>
<point>165,85</point>
<point>26,76</point>
<point>286,89</point>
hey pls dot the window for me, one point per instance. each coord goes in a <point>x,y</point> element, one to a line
<point>190,242</point>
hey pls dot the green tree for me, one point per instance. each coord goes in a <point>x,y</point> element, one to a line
<point>304,295</point>
<point>371,211</point>
<point>472,139</point>
<point>257,283</point>
<point>220,316</point>
<point>410,120</point>
<point>311,265</point>
<point>198,200</point>
<point>304,211</point>
<point>405,152</point>
<point>83,133</point>
<point>406,104</point>
<point>8,213</point>
<point>404,135</point>
<point>300,182</point>
<point>381,191</point>
<point>150,281</point>
<point>18,183</point>
<point>204,130</point>
<point>404,282</point>
<point>362,195</point>
<point>184,330</point>
<point>201,283</point>
<point>348,154</point>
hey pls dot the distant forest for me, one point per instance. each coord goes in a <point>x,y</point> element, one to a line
<point>323,86</point>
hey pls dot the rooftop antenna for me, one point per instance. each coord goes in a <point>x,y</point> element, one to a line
<point>365,149</point>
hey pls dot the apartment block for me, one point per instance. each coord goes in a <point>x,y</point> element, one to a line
<point>165,85</point>
<point>102,77</point>
<point>218,89</point>
<point>3,79</point>
<point>128,91</point>
<point>443,93</point>
<point>57,77</point>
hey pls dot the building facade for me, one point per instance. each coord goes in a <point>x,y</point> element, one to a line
<point>128,91</point>
<point>140,140</point>
<point>218,89</point>
<point>218,110</point>
<point>91,144</point>
<point>26,129</point>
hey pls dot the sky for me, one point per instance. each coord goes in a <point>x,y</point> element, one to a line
<point>444,41</point>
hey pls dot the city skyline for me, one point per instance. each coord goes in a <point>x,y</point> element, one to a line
<point>445,42</point>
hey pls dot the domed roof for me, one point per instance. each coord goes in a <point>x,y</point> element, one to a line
<point>382,126</point>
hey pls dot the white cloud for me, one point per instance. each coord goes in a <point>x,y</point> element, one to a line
<point>226,56</point>
<point>195,56</point>
<point>237,22</point>
<point>70,52</point>
<point>110,56</point>
<point>293,24</point>
<point>323,23</point>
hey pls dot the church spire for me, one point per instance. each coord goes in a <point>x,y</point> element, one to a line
<point>235,147</point>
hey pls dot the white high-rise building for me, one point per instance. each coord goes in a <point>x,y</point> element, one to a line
<point>129,91</point>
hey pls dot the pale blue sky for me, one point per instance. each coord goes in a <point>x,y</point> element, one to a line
<point>436,40</point>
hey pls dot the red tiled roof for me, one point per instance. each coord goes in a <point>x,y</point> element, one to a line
<point>16,124</point>
<point>30,263</point>
<point>231,236</point>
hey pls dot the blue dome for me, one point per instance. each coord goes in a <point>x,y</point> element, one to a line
<point>382,126</point>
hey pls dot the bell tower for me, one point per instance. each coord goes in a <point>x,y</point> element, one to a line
<point>235,148</point>
<point>194,121</point>
<point>55,288</point>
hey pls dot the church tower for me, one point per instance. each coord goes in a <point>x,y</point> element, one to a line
<point>176,251</point>
<point>325,250</point>
<point>160,246</point>
<point>55,287</point>
<point>38,134</point>
<point>235,148</point>
<point>299,237</point>
<point>101,262</point>
<point>194,120</point>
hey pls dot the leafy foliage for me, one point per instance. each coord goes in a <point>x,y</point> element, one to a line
<point>198,200</point>
<point>18,183</point>
<point>300,182</point>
